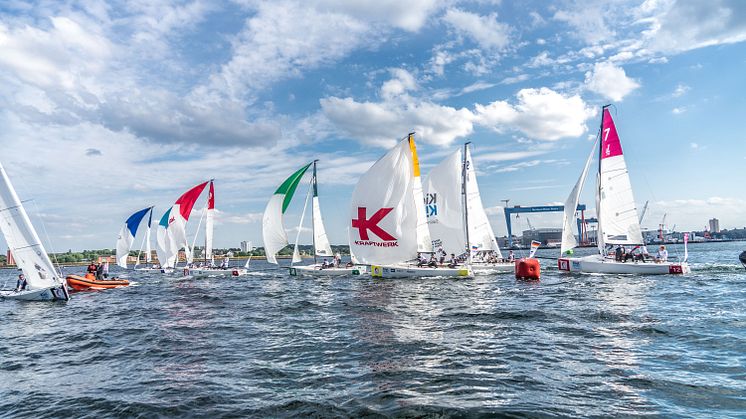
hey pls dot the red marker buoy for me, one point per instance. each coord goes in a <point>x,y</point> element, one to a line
<point>527,268</point>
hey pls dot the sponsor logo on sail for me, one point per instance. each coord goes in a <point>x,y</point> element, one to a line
<point>364,225</point>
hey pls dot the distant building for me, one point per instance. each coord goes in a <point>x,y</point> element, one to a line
<point>547,236</point>
<point>714,225</point>
<point>247,246</point>
<point>9,258</point>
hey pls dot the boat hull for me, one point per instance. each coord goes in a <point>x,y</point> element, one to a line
<point>396,271</point>
<point>493,268</point>
<point>45,294</point>
<point>80,283</point>
<point>218,272</point>
<point>600,265</point>
<point>317,271</point>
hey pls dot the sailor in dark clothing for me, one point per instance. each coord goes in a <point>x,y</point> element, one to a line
<point>100,272</point>
<point>22,283</point>
<point>92,268</point>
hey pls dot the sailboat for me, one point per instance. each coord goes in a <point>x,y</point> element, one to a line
<point>208,266</point>
<point>618,223</point>
<point>273,231</point>
<point>456,216</point>
<point>321,246</point>
<point>127,237</point>
<point>171,234</point>
<point>388,220</point>
<point>44,283</point>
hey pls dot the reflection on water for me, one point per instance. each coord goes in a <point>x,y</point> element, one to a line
<point>272,345</point>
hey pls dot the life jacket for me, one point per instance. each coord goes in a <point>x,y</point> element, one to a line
<point>92,268</point>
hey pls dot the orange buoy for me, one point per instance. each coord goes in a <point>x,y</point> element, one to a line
<point>527,268</point>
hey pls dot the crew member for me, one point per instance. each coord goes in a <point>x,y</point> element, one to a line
<point>662,255</point>
<point>22,283</point>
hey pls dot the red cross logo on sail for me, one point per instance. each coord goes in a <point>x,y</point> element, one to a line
<point>363,224</point>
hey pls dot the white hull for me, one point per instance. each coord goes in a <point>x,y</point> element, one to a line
<point>600,265</point>
<point>46,294</point>
<point>404,271</point>
<point>493,268</point>
<point>317,271</point>
<point>155,270</point>
<point>218,272</point>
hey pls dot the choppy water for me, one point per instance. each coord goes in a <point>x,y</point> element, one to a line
<point>272,345</point>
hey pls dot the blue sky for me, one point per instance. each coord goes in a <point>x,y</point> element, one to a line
<point>109,107</point>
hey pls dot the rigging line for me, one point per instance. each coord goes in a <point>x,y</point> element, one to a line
<point>51,247</point>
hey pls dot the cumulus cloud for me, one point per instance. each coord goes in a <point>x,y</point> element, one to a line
<point>610,81</point>
<point>542,114</point>
<point>382,123</point>
<point>486,31</point>
<point>686,25</point>
<point>410,15</point>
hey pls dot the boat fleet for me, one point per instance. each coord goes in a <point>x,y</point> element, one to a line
<point>397,228</point>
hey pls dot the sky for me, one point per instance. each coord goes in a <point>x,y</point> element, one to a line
<point>107,107</point>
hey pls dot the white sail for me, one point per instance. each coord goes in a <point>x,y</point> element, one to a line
<point>424,242</point>
<point>569,241</point>
<point>321,241</point>
<point>165,248</point>
<point>127,236</point>
<point>383,213</point>
<point>22,240</point>
<point>148,250</point>
<point>618,222</point>
<point>273,231</point>
<point>481,235</point>
<point>444,204</point>
<point>209,221</point>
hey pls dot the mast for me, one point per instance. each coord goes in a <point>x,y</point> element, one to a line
<point>313,219</point>
<point>466,200</point>
<point>599,233</point>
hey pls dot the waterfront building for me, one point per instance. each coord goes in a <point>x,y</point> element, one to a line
<point>714,225</point>
<point>246,246</point>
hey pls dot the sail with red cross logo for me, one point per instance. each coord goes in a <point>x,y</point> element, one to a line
<point>383,213</point>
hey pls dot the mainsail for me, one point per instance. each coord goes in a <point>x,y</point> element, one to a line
<point>383,213</point>
<point>23,241</point>
<point>618,222</point>
<point>320,240</point>
<point>481,235</point>
<point>424,242</point>
<point>444,205</point>
<point>127,235</point>
<point>273,230</point>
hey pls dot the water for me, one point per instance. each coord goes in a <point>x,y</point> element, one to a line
<point>272,345</point>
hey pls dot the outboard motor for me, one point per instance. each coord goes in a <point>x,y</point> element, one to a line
<point>742,258</point>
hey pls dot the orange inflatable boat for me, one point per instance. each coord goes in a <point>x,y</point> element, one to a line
<point>89,282</point>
